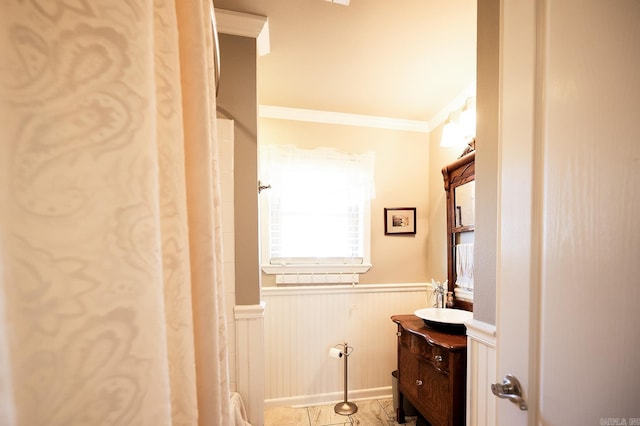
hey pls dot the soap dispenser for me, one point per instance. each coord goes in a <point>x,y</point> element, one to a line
<point>449,299</point>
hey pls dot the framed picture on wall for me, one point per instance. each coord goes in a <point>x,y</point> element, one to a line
<point>399,220</point>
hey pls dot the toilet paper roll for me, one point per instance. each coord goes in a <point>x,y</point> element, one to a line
<point>335,353</point>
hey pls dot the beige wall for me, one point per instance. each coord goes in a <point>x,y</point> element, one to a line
<point>237,101</point>
<point>408,174</point>
<point>437,243</point>
<point>401,177</point>
<point>486,174</point>
<point>484,306</point>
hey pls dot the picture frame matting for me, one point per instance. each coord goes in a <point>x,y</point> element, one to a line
<point>399,220</point>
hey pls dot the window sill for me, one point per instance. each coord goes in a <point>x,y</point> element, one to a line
<point>315,269</point>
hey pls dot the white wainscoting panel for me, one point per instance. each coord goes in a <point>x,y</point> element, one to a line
<point>250,359</point>
<point>303,323</point>
<point>481,373</point>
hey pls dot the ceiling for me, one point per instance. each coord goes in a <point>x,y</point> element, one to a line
<point>404,59</point>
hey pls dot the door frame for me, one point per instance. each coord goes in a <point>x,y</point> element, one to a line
<point>519,208</point>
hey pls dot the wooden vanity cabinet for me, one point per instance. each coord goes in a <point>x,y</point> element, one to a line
<point>432,371</point>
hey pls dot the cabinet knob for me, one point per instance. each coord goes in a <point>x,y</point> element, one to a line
<point>438,358</point>
<point>419,382</point>
<point>398,333</point>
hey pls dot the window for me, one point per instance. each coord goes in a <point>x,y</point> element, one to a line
<point>316,216</point>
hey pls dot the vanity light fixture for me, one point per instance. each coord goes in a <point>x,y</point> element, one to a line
<point>461,132</point>
<point>342,2</point>
<point>451,134</point>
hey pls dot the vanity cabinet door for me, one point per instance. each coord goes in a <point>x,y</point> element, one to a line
<point>434,394</point>
<point>425,386</point>
<point>409,374</point>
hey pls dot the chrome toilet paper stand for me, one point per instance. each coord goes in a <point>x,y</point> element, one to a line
<point>345,407</point>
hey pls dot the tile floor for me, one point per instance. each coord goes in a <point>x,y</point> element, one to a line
<point>373,412</point>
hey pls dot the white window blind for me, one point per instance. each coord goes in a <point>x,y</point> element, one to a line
<point>318,205</point>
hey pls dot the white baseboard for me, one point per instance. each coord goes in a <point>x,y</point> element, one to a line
<point>330,398</point>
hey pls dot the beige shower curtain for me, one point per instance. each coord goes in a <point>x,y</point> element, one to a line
<point>111,306</point>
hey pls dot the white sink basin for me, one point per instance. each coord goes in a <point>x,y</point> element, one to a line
<point>444,316</point>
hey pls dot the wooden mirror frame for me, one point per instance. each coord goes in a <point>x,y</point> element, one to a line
<point>458,173</point>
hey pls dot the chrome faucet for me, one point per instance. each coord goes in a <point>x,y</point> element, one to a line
<point>439,291</point>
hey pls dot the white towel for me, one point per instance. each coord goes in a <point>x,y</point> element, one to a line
<point>239,413</point>
<point>464,266</point>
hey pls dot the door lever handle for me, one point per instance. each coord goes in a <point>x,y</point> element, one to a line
<point>510,389</point>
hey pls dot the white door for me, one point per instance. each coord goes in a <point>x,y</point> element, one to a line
<point>568,308</point>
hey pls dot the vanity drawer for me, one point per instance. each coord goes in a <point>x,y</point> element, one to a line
<point>419,346</point>
<point>440,359</point>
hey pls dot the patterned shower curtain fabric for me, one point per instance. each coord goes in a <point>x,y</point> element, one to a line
<point>111,309</point>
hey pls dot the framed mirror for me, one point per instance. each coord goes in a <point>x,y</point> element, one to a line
<point>459,185</point>
<point>464,199</point>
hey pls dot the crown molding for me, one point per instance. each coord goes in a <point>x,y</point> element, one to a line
<point>330,117</point>
<point>245,25</point>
